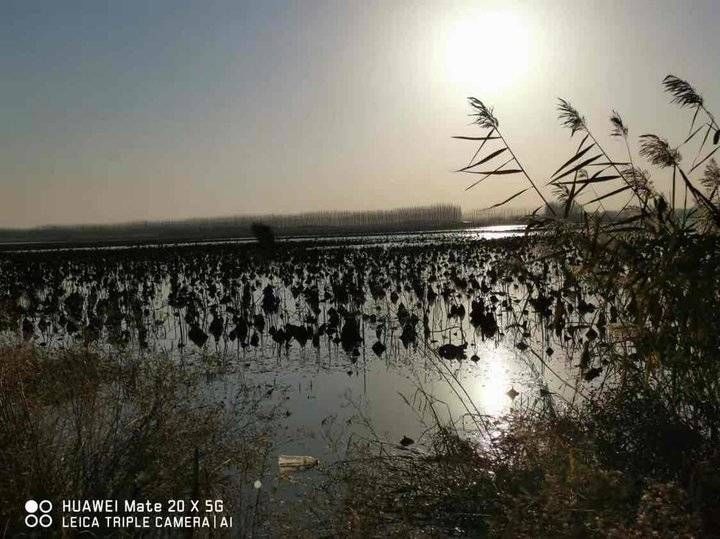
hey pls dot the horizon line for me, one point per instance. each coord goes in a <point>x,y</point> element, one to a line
<point>259,216</point>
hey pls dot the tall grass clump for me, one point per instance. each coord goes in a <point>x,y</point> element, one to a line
<point>75,424</point>
<point>633,451</point>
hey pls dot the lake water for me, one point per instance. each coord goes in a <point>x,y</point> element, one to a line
<point>352,329</point>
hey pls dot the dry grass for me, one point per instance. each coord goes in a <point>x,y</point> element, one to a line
<point>80,425</point>
<point>541,478</point>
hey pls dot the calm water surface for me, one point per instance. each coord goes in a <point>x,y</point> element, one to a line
<point>332,395</point>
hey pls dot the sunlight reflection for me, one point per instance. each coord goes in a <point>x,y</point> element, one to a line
<point>490,390</point>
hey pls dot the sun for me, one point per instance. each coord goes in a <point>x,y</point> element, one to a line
<point>487,52</point>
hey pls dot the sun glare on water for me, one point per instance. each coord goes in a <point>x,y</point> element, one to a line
<point>491,392</point>
<point>487,52</point>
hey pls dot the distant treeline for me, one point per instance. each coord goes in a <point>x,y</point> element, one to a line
<point>502,216</point>
<point>496,216</point>
<point>314,223</point>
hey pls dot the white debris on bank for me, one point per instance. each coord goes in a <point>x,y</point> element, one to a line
<point>294,463</point>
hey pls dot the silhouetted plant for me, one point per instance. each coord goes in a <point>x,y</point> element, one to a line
<point>652,269</point>
<point>264,235</point>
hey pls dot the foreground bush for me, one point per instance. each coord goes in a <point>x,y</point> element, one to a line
<point>81,425</point>
<point>540,478</point>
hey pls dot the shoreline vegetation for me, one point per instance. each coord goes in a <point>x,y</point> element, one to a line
<point>82,424</point>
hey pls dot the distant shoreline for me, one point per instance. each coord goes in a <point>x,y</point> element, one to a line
<point>240,228</point>
<point>319,235</point>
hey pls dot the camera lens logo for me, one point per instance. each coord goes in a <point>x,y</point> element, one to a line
<point>44,520</point>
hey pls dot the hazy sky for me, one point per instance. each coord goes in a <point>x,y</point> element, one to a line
<point>126,110</point>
